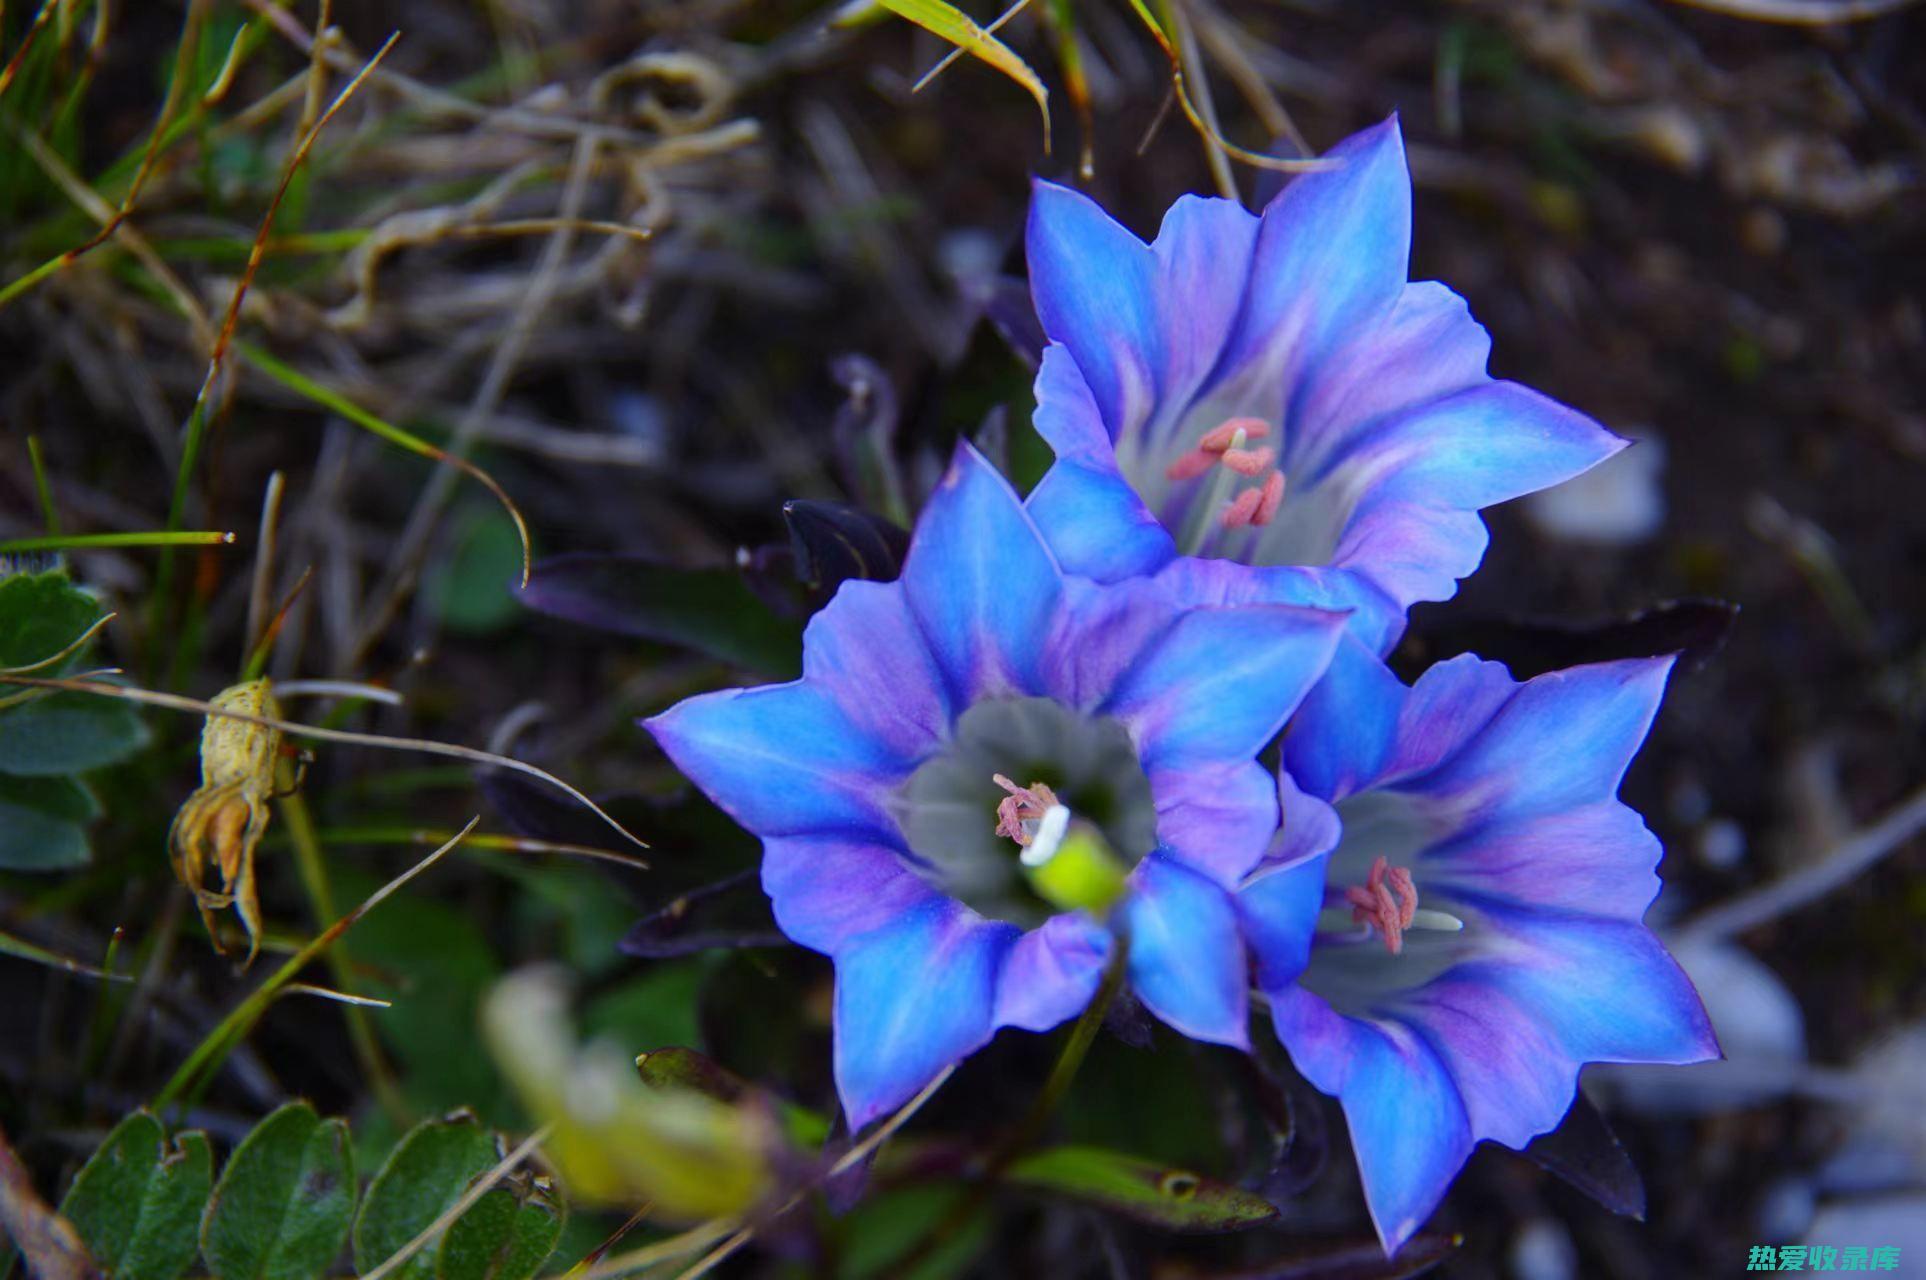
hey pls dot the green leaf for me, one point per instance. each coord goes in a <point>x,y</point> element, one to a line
<point>285,1201</point>
<point>952,24</point>
<point>41,614</point>
<point>507,1235</point>
<point>137,1202</point>
<point>43,823</point>
<point>426,1174</point>
<point>1172,1198</point>
<point>68,733</point>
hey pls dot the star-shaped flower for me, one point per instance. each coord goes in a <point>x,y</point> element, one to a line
<point>1451,922</point>
<point>956,735</point>
<point>1271,393</point>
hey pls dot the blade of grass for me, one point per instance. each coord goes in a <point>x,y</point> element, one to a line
<point>197,420</point>
<point>501,843</point>
<point>299,383</point>
<point>21,949</point>
<point>87,541</point>
<point>947,22</point>
<point>175,702</point>
<point>313,871</point>
<point>41,487</point>
<point>40,19</point>
<point>214,1048</point>
<point>111,223</point>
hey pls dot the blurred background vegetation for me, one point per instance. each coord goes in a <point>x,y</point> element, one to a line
<point>659,268</point>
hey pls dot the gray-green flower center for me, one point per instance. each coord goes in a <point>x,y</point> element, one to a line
<point>949,808</point>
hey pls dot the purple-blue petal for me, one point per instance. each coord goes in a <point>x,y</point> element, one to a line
<point>1345,731</point>
<point>981,583</point>
<point>1052,972</point>
<point>1067,415</point>
<point>1278,909</point>
<point>829,890</point>
<point>1097,525</point>
<point>1220,683</point>
<point>1515,1028</point>
<point>741,747</point>
<point>1408,1124</point>
<point>1595,859</point>
<point>1186,959</point>
<point>1425,346</point>
<point>1216,818</point>
<point>1376,619</point>
<point>912,998</point>
<point>1596,715</point>
<point>1331,256</point>
<point>1095,286</point>
<point>865,650</point>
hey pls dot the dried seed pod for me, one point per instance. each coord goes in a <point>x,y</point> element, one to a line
<point>222,823</point>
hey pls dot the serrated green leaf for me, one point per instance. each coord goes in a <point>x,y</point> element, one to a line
<point>41,614</point>
<point>948,22</point>
<point>284,1202</point>
<point>68,733</point>
<point>1172,1198</point>
<point>43,823</point>
<point>137,1202</point>
<point>507,1235</point>
<point>426,1173</point>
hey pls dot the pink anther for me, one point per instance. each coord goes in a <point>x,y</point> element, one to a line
<point>1269,498</point>
<point>1018,813</point>
<point>1249,462</point>
<point>1224,435</point>
<point>1373,904</point>
<point>1191,465</point>
<point>1242,508</point>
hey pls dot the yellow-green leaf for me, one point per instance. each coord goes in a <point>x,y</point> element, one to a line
<point>950,23</point>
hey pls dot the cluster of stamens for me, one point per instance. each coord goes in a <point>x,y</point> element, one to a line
<point>1020,813</point>
<point>1373,903</point>
<point>1224,446</point>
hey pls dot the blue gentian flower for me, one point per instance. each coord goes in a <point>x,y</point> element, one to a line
<point>951,730</point>
<point>1272,392</point>
<point>1450,924</point>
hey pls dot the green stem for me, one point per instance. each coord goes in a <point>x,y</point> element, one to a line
<point>1031,1127</point>
<point>313,870</point>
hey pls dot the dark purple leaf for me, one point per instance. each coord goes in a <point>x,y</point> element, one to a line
<point>1694,629</point>
<point>711,611</point>
<point>832,543</point>
<point>864,431</point>
<point>728,913</point>
<point>1298,1129</point>
<point>1006,305</point>
<point>1585,1152</point>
